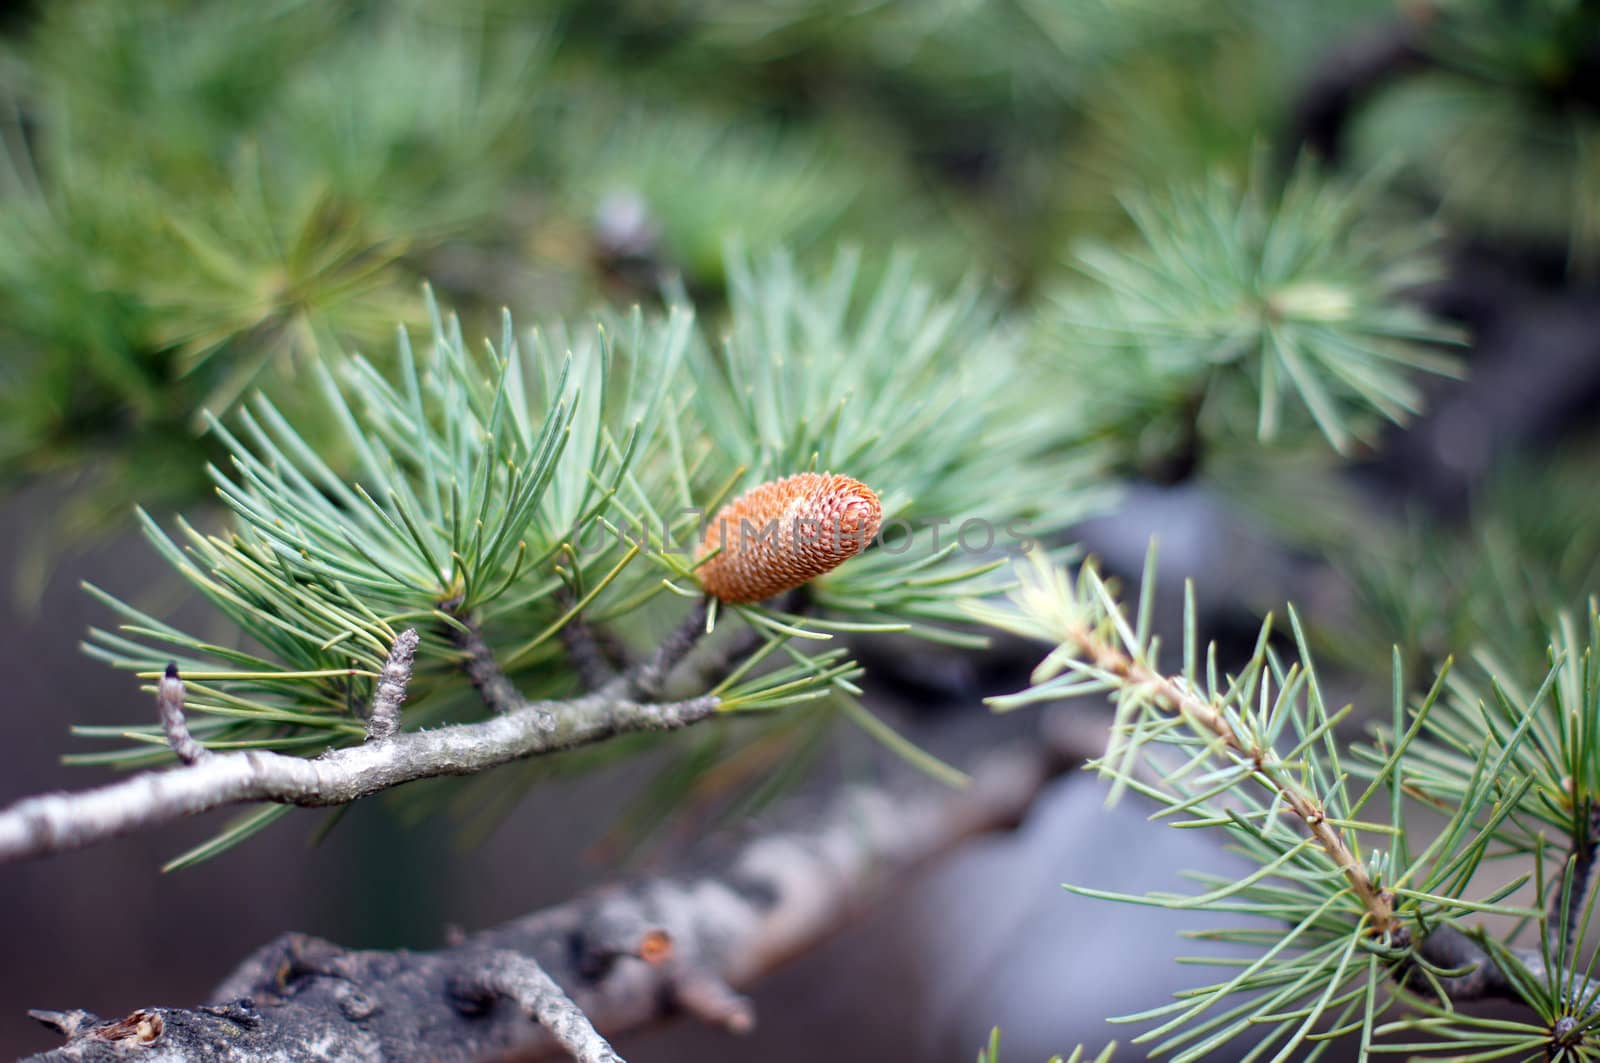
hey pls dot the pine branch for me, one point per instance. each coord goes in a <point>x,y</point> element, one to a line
<point>1486,706</point>
<point>1131,676</point>
<point>626,956</point>
<point>52,823</point>
<point>1485,977</point>
<point>1393,912</point>
<point>1481,978</point>
<point>1177,698</point>
<point>1292,301</point>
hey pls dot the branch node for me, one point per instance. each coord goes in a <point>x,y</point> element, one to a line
<point>383,719</point>
<point>169,700</point>
<point>609,937</point>
<point>655,947</point>
<point>354,1004</point>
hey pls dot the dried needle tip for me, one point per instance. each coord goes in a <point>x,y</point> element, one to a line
<point>783,533</point>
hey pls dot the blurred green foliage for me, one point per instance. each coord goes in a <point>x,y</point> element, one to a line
<point>1436,586</point>
<point>192,192</point>
<point>196,196</point>
<point>1500,125</point>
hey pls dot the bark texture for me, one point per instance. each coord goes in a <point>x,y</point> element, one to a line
<point>627,955</point>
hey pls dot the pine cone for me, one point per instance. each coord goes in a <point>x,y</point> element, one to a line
<point>783,533</point>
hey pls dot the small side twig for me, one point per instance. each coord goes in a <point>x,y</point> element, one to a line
<point>384,718</point>
<point>718,662</point>
<point>169,699</point>
<point>614,934</point>
<point>649,676</point>
<point>584,648</point>
<point>483,671</point>
<point>520,978</point>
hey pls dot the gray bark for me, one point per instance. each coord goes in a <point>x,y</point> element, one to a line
<point>627,955</point>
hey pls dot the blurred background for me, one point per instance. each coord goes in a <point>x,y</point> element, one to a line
<point>197,197</point>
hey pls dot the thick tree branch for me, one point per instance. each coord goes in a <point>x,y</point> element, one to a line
<point>55,822</point>
<point>626,956</point>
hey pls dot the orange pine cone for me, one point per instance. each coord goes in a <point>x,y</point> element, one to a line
<point>783,533</point>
